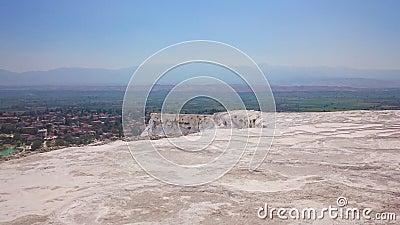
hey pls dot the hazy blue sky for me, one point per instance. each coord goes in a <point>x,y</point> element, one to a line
<point>40,35</point>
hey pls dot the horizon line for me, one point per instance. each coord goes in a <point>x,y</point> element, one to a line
<point>259,64</point>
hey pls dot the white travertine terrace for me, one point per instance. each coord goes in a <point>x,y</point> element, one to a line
<point>315,158</point>
<point>183,124</point>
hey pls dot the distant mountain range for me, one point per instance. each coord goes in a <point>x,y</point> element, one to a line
<point>67,77</point>
<point>276,75</point>
<point>332,76</point>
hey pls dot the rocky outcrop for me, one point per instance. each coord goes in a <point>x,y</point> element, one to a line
<point>172,125</point>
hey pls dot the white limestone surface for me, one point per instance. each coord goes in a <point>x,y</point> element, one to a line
<point>315,158</point>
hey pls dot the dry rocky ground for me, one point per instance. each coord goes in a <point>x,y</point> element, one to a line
<point>314,159</point>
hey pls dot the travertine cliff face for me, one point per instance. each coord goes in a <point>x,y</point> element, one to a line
<point>168,125</point>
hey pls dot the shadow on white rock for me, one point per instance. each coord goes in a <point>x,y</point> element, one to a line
<point>173,125</point>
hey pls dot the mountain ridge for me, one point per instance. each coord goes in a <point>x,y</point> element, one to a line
<point>276,75</point>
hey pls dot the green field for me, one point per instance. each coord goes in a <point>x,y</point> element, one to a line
<point>286,101</point>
